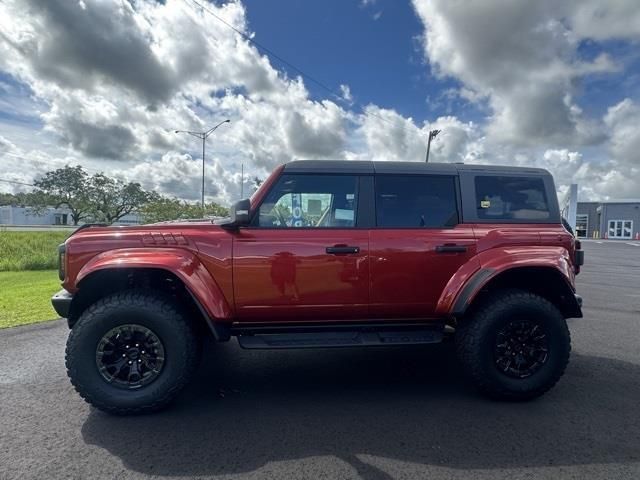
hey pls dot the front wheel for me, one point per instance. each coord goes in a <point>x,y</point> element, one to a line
<point>131,352</point>
<point>515,346</point>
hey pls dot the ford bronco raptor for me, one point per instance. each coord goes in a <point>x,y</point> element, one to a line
<point>330,254</point>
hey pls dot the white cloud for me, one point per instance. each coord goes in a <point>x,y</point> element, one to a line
<point>346,93</point>
<point>118,78</point>
<point>111,81</point>
<point>390,136</point>
<point>613,19</point>
<point>623,121</point>
<point>520,56</point>
<point>522,59</point>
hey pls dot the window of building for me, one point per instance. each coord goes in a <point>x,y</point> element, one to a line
<point>511,198</point>
<point>582,225</point>
<point>316,201</point>
<point>620,229</point>
<point>427,201</point>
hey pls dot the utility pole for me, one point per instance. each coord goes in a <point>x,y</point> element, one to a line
<point>432,134</point>
<point>241,181</point>
<point>203,136</point>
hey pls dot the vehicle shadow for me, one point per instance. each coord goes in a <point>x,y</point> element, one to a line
<point>248,408</point>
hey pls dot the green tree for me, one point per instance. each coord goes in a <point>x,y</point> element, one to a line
<point>67,187</point>
<point>111,199</point>
<point>163,209</point>
<point>215,210</point>
<point>9,199</point>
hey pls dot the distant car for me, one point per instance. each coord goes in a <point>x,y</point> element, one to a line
<point>330,254</point>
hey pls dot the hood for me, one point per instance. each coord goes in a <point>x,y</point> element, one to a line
<point>100,236</point>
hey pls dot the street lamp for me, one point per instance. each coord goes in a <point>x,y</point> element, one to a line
<point>203,136</point>
<point>432,134</point>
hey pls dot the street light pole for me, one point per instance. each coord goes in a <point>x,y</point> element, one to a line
<point>204,139</point>
<point>432,134</point>
<point>241,181</point>
<point>203,136</point>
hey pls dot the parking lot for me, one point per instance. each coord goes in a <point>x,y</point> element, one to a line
<point>358,413</point>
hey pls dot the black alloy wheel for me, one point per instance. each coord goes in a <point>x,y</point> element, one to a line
<point>521,348</point>
<point>130,356</point>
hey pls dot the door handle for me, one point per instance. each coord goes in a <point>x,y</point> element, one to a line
<point>451,248</point>
<point>342,250</point>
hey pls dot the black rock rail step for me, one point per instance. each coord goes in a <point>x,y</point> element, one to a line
<point>340,338</point>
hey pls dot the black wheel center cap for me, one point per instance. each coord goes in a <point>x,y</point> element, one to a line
<point>133,353</point>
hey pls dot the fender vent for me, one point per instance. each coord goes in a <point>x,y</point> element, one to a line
<point>163,239</point>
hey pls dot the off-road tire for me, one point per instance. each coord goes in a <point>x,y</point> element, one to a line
<point>148,309</point>
<point>475,339</point>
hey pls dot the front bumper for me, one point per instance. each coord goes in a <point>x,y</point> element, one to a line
<point>578,300</point>
<point>61,302</point>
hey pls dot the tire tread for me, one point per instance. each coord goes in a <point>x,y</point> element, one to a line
<point>151,301</point>
<point>469,336</point>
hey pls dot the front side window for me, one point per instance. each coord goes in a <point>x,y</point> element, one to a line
<point>417,201</point>
<point>310,201</point>
<point>511,198</point>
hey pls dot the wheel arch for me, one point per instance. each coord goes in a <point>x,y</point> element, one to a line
<point>546,281</point>
<point>109,279</point>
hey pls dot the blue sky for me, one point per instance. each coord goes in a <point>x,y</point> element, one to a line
<point>598,92</point>
<point>104,84</point>
<point>374,48</point>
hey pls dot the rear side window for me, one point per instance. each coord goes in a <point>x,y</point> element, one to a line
<point>511,198</point>
<point>417,201</point>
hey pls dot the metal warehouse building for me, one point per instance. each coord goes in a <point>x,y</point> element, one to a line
<point>612,219</point>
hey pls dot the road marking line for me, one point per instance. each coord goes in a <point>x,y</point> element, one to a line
<point>634,244</point>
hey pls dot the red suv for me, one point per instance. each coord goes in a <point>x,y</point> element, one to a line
<point>330,254</point>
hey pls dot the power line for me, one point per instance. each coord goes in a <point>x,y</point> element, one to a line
<point>16,182</point>
<point>270,53</point>
<point>292,66</point>
<point>268,50</point>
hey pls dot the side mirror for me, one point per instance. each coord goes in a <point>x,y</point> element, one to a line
<point>239,214</point>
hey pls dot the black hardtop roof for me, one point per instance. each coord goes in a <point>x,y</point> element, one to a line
<point>371,167</point>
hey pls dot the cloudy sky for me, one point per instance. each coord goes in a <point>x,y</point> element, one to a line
<point>104,83</point>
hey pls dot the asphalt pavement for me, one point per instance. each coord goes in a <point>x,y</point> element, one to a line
<point>355,413</point>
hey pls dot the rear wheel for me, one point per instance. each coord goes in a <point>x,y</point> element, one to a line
<point>515,346</point>
<point>131,353</point>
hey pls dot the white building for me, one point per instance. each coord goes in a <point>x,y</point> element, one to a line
<point>14,215</point>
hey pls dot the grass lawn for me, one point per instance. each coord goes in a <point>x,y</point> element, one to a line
<point>30,250</point>
<point>25,297</point>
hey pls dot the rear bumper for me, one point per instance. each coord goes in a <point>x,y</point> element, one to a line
<point>61,302</point>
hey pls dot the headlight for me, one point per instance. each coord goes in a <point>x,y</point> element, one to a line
<point>61,260</point>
